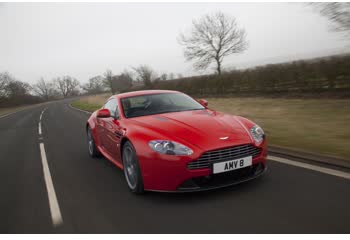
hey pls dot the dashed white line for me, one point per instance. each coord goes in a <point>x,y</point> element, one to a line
<point>328,171</point>
<point>53,203</point>
<point>39,128</point>
<point>41,115</point>
<point>56,215</point>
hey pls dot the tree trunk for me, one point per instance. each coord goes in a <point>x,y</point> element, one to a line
<point>218,69</point>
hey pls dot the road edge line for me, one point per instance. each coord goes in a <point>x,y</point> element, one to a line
<point>312,167</point>
<point>8,114</point>
<point>309,157</point>
<point>87,112</point>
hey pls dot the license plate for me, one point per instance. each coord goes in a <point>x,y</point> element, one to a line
<point>232,164</point>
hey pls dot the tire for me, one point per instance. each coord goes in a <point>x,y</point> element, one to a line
<point>93,151</point>
<point>132,170</point>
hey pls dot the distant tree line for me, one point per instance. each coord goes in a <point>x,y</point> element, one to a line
<point>142,75</point>
<point>329,74</point>
<point>14,92</point>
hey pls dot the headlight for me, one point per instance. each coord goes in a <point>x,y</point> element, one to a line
<point>257,133</point>
<point>170,147</point>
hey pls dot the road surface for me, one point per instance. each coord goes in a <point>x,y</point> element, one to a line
<point>58,188</point>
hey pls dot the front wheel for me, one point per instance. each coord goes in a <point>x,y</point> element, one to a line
<point>93,151</point>
<point>132,169</point>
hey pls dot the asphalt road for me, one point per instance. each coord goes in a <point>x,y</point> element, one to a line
<point>93,196</point>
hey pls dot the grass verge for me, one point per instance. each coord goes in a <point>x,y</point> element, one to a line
<point>5,111</point>
<point>85,106</point>
<point>313,125</point>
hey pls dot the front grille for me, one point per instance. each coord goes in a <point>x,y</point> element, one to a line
<point>222,155</point>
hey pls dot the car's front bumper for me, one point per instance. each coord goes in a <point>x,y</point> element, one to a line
<point>221,180</point>
<point>171,173</point>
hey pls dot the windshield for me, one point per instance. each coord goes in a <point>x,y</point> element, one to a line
<point>158,103</point>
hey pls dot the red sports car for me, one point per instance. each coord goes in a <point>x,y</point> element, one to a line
<point>168,141</point>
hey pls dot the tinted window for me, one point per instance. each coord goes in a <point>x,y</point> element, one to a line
<point>158,103</point>
<point>112,106</point>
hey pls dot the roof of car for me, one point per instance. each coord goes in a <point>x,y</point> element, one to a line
<point>143,92</point>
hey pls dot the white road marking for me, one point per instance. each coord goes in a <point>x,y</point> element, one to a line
<point>53,203</point>
<point>39,128</point>
<point>328,171</point>
<point>41,115</point>
<point>10,113</point>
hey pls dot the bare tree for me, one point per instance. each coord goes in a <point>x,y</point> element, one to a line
<point>5,78</point>
<point>95,85</point>
<point>171,76</point>
<point>14,92</point>
<point>213,37</point>
<point>108,81</point>
<point>67,86</point>
<point>164,77</point>
<point>17,89</point>
<point>129,73</point>
<point>122,82</point>
<point>44,89</point>
<point>338,13</point>
<point>145,74</point>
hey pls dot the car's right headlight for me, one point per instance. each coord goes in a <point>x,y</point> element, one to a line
<point>257,133</point>
<point>170,147</point>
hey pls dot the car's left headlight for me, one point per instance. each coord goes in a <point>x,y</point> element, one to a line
<point>257,133</point>
<point>170,147</point>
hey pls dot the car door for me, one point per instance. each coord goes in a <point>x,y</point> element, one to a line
<point>101,126</point>
<point>112,130</point>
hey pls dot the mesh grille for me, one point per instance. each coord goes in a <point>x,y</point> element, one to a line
<point>222,155</point>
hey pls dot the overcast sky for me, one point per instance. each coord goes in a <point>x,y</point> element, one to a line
<point>84,39</point>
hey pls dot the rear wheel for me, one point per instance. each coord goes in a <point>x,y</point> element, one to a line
<point>93,151</point>
<point>132,169</point>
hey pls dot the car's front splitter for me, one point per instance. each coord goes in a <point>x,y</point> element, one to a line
<point>221,180</point>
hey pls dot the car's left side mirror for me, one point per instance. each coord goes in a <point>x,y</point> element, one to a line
<point>203,102</point>
<point>103,113</point>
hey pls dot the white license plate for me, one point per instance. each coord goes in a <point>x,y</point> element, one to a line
<point>232,164</point>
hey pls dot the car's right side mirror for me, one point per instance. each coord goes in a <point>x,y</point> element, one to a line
<point>203,102</point>
<point>103,113</point>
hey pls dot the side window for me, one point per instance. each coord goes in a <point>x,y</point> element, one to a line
<point>112,106</point>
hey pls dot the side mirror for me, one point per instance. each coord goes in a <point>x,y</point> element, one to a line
<point>103,113</point>
<point>203,102</point>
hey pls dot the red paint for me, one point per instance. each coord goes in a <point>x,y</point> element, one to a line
<point>200,130</point>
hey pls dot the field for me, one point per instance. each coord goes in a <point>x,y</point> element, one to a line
<point>313,125</point>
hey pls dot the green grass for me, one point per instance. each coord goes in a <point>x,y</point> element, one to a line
<point>86,106</point>
<point>314,125</point>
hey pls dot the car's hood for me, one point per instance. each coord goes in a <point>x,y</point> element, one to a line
<point>206,129</point>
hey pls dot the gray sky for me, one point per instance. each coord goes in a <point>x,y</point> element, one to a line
<point>84,39</point>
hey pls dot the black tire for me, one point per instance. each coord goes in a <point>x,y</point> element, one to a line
<point>93,151</point>
<point>132,170</point>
